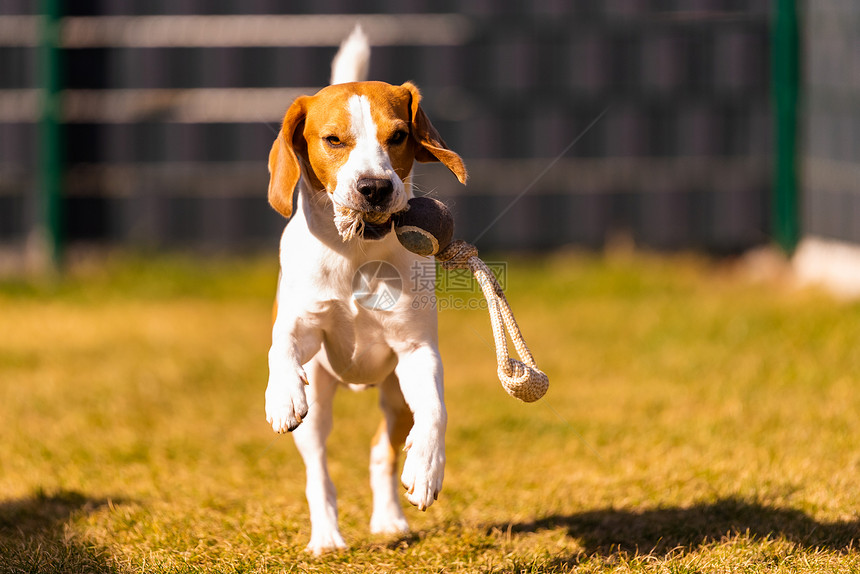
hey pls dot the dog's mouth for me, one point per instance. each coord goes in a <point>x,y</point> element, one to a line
<point>351,223</point>
<point>377,226</point>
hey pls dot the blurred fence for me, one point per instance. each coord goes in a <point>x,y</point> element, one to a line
<point>577,120</point>
<point>831,166</point>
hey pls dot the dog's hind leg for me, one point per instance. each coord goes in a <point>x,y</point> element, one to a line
<point>388,517</point>
<point>310,439</point>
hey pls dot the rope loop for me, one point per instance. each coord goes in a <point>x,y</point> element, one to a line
<point>523,382</point>
<point>521,379</point>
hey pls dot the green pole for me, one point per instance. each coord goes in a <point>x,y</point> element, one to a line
<point>785,87</point>
<point>51,131</point>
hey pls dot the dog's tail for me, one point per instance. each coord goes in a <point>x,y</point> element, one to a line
<point>352,59</point>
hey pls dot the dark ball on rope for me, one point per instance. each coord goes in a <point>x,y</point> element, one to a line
<point>426,227</point>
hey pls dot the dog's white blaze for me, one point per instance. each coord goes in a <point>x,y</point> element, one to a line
<point>367,158</point>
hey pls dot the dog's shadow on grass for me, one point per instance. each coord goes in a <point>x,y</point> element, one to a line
<point>659,532</point>
<point>34,537</point>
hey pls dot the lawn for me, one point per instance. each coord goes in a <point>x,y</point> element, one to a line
<point>695,422</point>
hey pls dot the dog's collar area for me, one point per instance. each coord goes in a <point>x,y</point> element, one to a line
<point>377,231</point>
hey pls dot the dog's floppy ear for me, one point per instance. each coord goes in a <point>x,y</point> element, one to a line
<point>284,167</point>
<point>430,146</point>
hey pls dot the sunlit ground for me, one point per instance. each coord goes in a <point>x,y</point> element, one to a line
<point>695,422</point>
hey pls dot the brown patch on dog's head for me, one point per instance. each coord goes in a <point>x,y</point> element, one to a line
<point>329,135</point>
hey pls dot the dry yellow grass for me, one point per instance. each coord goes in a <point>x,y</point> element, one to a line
<point>694,423</point>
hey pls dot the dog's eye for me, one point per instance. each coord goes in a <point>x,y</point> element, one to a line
<point>397,137</point>
<point>333,141</point>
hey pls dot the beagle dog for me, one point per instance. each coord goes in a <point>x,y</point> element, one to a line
<point>351,147</point>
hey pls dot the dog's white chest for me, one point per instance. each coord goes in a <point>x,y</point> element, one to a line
<point>355,347</point>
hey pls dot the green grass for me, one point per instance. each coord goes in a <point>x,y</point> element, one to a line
<point>694,423</point>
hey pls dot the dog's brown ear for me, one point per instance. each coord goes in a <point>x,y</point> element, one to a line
<point>430,146</point>
<point>284,167</point>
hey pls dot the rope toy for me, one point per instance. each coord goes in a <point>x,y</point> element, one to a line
<point>426,228</point>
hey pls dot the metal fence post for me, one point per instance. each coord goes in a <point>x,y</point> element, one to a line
<point>785,80</point>
<point>51,131</point>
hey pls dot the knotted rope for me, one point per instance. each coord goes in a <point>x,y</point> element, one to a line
<point>521,379</point>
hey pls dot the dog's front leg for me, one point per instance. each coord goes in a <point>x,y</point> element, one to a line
<point>311,439</point>
<point>420,375</point>
<point>294,342</point>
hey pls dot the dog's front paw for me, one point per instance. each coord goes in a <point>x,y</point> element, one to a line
<point>423,471</point>
<point>389,522</point>
<point>286,404</point>
<point>322,542</point>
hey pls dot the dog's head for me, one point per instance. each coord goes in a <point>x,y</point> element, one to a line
<point>357,142</point>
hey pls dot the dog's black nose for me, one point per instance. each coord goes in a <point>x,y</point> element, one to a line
<point>376,190</point>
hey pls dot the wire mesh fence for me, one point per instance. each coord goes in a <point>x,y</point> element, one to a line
<point>831,166</point>
<point>169,115</point>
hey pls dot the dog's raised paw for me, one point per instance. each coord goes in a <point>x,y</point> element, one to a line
<point>286,406</point>
<point>423,471</point>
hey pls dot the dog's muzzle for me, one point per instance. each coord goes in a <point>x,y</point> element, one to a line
<point>352,223</point>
